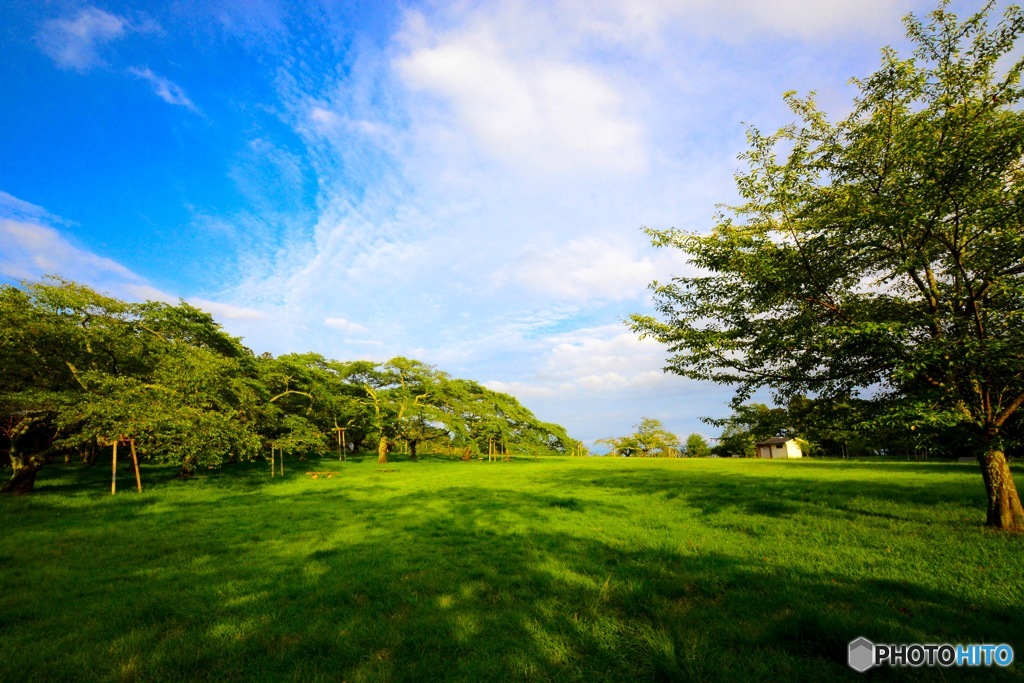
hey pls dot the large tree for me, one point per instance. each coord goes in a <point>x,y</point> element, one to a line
<point>882,255</point>
<point>82,368</point>
<point>650,439</point>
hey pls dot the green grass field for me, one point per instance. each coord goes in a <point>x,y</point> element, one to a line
<point>569,569</point>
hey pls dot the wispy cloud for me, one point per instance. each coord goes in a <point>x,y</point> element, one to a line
<point>18,209</point>
<point>30,249</point>
<point>169,92</point>
<point>74,42</point>
<point>345,325</point>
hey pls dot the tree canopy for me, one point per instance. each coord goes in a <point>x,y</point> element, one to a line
<point>83,370</point>
<point>650,439</point>
<point>881,256</point>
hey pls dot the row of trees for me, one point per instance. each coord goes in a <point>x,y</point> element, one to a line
<point>851,428</point>
<point>652,440</point>
<point>880,257</point>
<point>82,370</point>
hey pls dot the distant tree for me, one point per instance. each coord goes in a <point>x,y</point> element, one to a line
<point>749,424</point>
<point>696,446</point>
<point>650,439</point>
<point>489,417</point>
<point>883,254</point>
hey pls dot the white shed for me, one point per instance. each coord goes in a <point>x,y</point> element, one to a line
<point>779,447</point>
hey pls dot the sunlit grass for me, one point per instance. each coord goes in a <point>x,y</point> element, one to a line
<point>583,569</point>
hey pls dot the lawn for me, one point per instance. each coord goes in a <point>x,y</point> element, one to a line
<point>563,569</point>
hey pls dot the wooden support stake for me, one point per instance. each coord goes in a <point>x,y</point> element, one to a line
<point>341,440</point>
<point>135,460</point>
<point>113,472</point>
<point>342,446</point>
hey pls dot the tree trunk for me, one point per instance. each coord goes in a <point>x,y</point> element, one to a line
<point>24,468</point>
<point>412,450</point>
<point>188,468</point>
<point>93,453</point>
<point>382,450</point>
<point>1004,508</point>
<point>23,480</point>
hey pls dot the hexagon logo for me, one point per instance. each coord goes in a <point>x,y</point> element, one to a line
<point>862,655</point>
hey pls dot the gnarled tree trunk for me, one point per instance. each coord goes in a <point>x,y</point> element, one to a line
<point>25,467</point>
<point>412,449</point>
<point>382,450</point>
<point>23,480</point>
<point>1004,508</point>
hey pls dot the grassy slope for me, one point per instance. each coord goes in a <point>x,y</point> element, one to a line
<point>596,569</point>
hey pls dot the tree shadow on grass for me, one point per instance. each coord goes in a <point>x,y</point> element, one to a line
<point>946,467</point>
<point>756,494</point>
<point>487,586</point>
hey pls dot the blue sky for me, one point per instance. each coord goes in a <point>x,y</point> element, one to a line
<point>459,182</point>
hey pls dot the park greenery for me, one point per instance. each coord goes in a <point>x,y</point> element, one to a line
<point>563,569</point>
<point>872,280</point>
<point>84,371</point>
<point>650,439</point>
<point>878,259</point>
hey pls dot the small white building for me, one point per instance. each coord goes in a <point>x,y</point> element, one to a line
<point>779,447</point>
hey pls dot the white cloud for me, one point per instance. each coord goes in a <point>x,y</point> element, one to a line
<point>167,91</point>
<point>145,292</point>
<point>583,269</point>
<point>73,43</point>
<point>223,311</point>
<point>524,107</point>
<point>600,381</point>
<point>645,22</point>
<point>30,250</point>
<point>345,325</point>
<point>604,358</point>
<point>521,390</point>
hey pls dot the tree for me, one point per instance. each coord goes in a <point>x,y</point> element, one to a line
<point>650,438</point>
<point>696,446</point>
<point>35,346</point>
<point>396,390</point>
<point>81,368</point>
<point>881,256</point>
